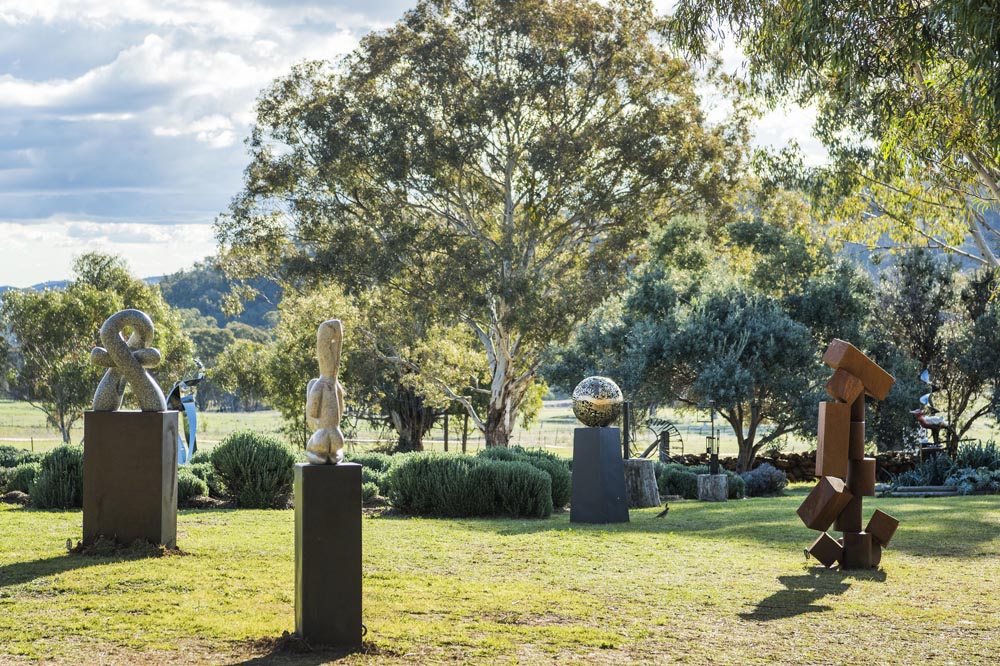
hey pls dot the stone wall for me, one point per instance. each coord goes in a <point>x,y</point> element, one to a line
<point>802,466</point>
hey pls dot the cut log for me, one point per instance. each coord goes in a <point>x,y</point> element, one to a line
<point>640,483</point>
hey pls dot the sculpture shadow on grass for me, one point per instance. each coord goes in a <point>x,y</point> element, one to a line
<point>19,573</point>
<point>803,593</point>
<point>290,650</point>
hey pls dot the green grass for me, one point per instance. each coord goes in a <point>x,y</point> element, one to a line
<point>710,583</point>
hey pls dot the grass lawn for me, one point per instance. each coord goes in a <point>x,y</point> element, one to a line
<point>708,584</point>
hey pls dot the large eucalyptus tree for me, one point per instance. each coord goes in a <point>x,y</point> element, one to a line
<point>495,161</point>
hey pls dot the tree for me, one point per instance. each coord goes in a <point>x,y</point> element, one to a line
<point>241,369</point>
<point>908,99</point>
<point>742,352</point>
<point>381,348</point>
<point>50,335</point>
<point>949,329</point>
<point>740,321</point>
<point>204,287</point>
<point>495,162</point>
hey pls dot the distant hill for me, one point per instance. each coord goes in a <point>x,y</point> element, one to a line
<point>204,287</point>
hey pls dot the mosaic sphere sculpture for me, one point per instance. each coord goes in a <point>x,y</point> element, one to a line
<point>597,401</point>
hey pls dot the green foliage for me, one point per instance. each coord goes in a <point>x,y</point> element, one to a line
<point>242,370</point>
<point>463,486</point>
<point>932,472</point>
<point>206,472</point>
<point>908,104</point>
<point>927,321</point>
<point>496,163</point>
<point>432,485</point>
<point>12,457</point>
<point>201,457</point>
<point>510,488</point>
<point>375,468</point>
<point>256,470</point>
<point>49,335</point>
<point>764,481</point>
<point>377,462</point>
<point>189,485</point>
<point>974,455</point>
<point>557,468</point>
<point>971,481</point>
<point>677,479</point>
<point>369,491</point>
<point>23,477</point>
<point>59,485</point>
<point>205,288</point>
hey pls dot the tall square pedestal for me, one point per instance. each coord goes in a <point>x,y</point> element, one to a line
<point>130,476</point>
<point>598,477</point>
<point>328,553</point>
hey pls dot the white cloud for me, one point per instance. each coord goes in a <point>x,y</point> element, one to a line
<point>151,249</point>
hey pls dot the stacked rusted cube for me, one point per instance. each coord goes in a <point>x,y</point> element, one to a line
<point>845,474</point>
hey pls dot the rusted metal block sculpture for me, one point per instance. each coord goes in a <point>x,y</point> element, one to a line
<point>882,526</point>
<point>826,549</point>
<point>824,503</point>
<point>845,474</point>
<point>833,439</point>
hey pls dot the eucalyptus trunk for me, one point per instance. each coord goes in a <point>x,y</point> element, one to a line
<point>411,419</point>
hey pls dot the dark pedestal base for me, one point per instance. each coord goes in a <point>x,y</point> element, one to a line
<point>130,476</point>
<point>328,553</point>
<point>598,477</point>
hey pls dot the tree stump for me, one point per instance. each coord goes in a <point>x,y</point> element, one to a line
<point>640,483</point>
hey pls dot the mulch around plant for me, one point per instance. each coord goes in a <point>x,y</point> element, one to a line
<point>16,497</point>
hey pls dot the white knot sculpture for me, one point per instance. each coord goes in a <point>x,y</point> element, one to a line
<point>127,362</point>
<point>325,398</point>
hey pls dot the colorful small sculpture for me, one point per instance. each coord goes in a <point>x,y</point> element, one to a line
<point>127,362</point>
<point>325,398</point>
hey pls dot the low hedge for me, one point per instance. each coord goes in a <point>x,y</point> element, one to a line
<point>189,485</point>
<point>11,457</point>
<point>765,481</point>
<point>23,477</point>
<point>677,479</point>
<point>557,468</point>
<point>59,484</point>
<point>256,469</point>
<point>461,486</point>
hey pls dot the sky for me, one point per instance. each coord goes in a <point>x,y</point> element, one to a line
<point>122,122</point>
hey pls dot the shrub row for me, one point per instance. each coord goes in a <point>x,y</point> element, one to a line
<point>974,469</point>
<point>460,486</point>
<point>255,469</point>
<point>677,479</point>
<point>557,468</point>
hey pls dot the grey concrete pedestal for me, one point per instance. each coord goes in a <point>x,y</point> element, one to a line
<point>328,554</point>
<point>130,477</point>
<point>598,477</point>
<point>713,487</point>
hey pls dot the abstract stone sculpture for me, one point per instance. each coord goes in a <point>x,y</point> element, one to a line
<point>328,576</point>
<point>325,398</point>
<point>597,401</point>
<point>846,475</point>
<point>127,362</point>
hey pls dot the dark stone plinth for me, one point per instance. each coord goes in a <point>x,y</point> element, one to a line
<point>130,476</point>
<point>328,553</point>
<point>598,477</point>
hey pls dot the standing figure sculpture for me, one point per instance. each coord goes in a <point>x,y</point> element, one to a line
<point>127,362</point>
<point>325,398</point>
